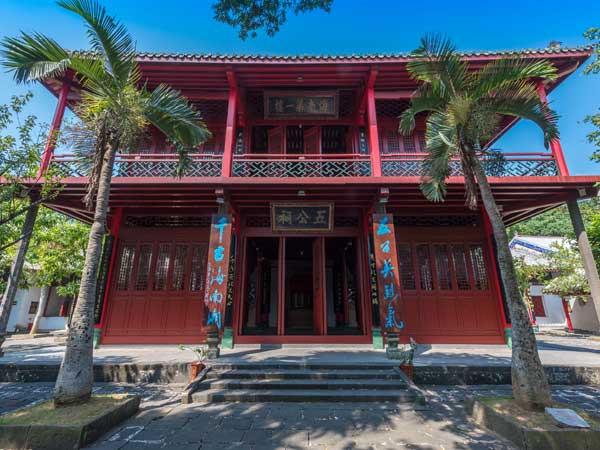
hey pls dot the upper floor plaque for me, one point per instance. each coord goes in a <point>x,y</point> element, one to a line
<point>301,104</point>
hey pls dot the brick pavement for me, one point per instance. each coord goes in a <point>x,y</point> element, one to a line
<point>164,423</point>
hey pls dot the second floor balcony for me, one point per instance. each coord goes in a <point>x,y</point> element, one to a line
<point>162,165</point>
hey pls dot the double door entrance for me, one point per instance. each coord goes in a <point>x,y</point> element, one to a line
<point>301,289</point>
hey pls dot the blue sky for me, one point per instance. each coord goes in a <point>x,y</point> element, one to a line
<point>353,26</point>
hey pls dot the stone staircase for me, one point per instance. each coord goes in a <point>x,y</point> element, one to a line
<point>299,382</point>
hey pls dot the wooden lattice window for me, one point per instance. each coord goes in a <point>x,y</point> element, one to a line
<point>161,270</point>
<point>178,279</point>
<point>198,268</point>
<point>461,270</point>
<point>442,265</point>
<point>424,263</point>
<point>479,270</point>
<point>143,267</point>
<point>407,273</point>
<point>125,267</point>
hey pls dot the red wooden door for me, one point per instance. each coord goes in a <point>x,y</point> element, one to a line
<point>276,140</point>
<point>447,291</point>
<point>312,140</point>
<point>158,288</point>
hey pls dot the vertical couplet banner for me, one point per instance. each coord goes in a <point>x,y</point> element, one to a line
<point>388,276</point>
<point>217,269</point>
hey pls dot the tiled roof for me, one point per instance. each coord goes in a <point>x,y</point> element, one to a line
<point>372,57</point>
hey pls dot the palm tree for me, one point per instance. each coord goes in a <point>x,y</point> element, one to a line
<point>115,109</point>
<point>464,110</point>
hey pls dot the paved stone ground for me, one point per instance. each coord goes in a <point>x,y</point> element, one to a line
<point>163,423</point>
<point>554,348</point>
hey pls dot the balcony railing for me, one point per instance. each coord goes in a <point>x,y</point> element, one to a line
<point>302,166</point>
<point>496,165</point>
<point>285,166</point>
<point>142,165</point>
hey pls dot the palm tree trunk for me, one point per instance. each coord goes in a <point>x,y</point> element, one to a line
<point>44,296</point>
<point>75,378</point>
<point>529,383</point>
<point>15,271</point>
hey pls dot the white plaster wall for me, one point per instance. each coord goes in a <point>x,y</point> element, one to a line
<point>53,323</point>
<point>19,315</point>
<point>555,314</point>
<point>583,315</point>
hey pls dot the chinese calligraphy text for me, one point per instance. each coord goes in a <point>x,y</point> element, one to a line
<point>299,104</point>
<point>388,278</point>
<point>217,269</point>
<point>302,216</point>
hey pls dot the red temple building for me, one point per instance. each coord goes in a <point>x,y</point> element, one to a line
<point>305,150</point>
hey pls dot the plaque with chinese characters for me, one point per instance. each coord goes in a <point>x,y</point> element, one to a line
<point>302,216</point>
<point>388,277</point>
<point>301,104</point>
<point>217,270</point>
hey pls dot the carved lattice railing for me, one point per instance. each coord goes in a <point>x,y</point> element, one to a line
<point>285,166</point>
<point>496,165</point>
<point>142,165</point>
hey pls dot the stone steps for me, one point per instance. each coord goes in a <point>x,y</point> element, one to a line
<point>301,382</point>
<point>312,395</point>
<point>269,384</point>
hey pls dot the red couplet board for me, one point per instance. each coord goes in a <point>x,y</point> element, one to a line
<point>388,277</point>
<point>217,269</point>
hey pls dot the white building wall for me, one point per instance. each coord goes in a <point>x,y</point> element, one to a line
<point>555,314</point>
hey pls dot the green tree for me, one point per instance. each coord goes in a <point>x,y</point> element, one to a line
<point>252,15</point>
<point>55,257</point>
<point>115,109</point>
<point>570,281</point>
<point>593,35</point>
<point>464,108</point>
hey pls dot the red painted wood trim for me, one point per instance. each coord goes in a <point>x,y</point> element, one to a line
<point>487,225</point>
<point>373,133</point>
<point>229,132</point>
<point>59,113</point>
<point>115,228</point>
<point>555,144</point>
<point>567,315</point>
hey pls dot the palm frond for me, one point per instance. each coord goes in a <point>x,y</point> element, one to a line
<point>496,74</point>
<point>171,113</point>
<point>108,37</point>
<point>527,107</point>
<point>437,62</point>
<point>426,100</point>
<point>33,57</point>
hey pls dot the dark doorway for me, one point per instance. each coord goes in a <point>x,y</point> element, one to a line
<point>343,300</point>
<point>299,289</point>
<point>262,268</point>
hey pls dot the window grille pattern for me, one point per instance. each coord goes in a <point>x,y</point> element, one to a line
<point>198,269</point>
<point>479,270</point>
<point>436,221</point>
<point>168,221</point>
<point>461,269</point>
<point>258,221</point>
<point>424,264</point>
<point>301,168</point>
<point>408,144</point>
<point>407,274</point>
<point>143,267</point>
<point>442,265</point>
<point>178,279</point>
<point>162,267</point>
<point>125,267</point>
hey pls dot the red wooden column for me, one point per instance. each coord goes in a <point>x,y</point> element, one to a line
<point>555,144</point>
<point>59,113</point>
<point>372,123</point>
<point>489,236</point>
<point>230,128</point>
<point>114,229</point>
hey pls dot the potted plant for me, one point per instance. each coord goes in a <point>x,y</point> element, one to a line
<point>196,366</point>
<point>407,366</point>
